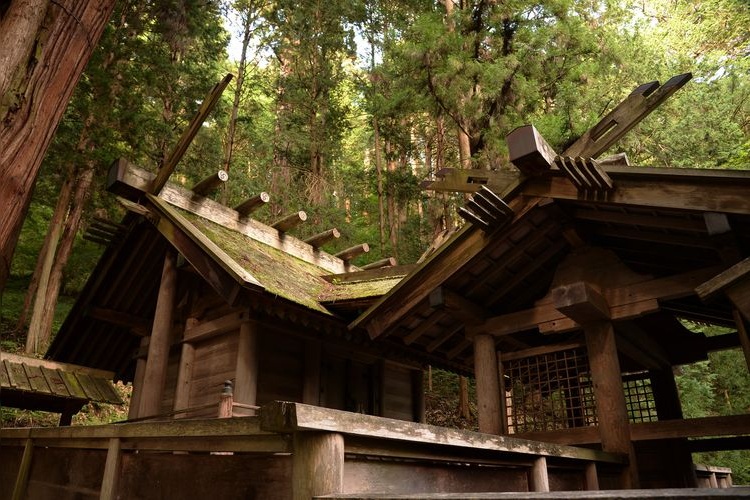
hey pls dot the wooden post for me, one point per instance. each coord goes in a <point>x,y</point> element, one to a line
<point>290,222</point>
<point>742,332</point>
<point>184,377</point>
<point>140,371</point>
<point>226,401</point>
<point>417,396</point>
<point>317,464</point>
<point>353,252</point>
<point>311,383</point>
<point>155,373</point>
<point>591,477</point>
<point>321,239</point>
<point>538,478</point>
<point>488,386</point>
<point>246,372</point>
<point>210,183</point>
<point>111,471</point>
<point>22,478</point>
<point>611,408</point>
<point>387,262</point>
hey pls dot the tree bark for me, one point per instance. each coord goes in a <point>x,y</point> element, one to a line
<point>18,29</point>
<point>49,248</point>
<point>72,223</point>
<point>64,40</point>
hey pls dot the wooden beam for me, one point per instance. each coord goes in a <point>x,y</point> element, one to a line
<point>211,328</point>
<point>155,374</point>
<point>529,151</point>
<point>740,321</point>
<point>475,219</point>
<point>289,222</point>
<point>184,376</point>
<point>140,372</point>
<point>353,252</point>
<point>111,471</point>
<point>417,396</point>
<point>423,327</point>
<point>252,204</point>
<point>581,302</point>
<point>626,115</point>
<point>138,325</point>
<point>210,183</point>
<point>641,347</point>
<point>312,372</point>
<point>626,302</point>
<point>169,164</point>
<point>464,310</point>
<point>451,180</point>
<point>686,223</point>
<point>321,239</point>
<point>378,264</point>
<point>723,280</point>
<point>486,375</point>
<point>541,350</point>
<point>689,190</point>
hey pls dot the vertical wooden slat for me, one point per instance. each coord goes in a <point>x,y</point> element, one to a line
<point>503,399</point>
<point>111,471</point>
<point>246,372</point>
<point>311,383</point>
<point>712,482</point>
<point>538,479</point>
<point>22,479</point>
<point>742,332</point>
<point>488,387</point>
<point>317,465</point>
<point>155,374</point>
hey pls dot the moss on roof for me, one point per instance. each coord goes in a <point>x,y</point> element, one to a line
<point>283,274</point>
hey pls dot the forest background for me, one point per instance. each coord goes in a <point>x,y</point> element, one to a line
<point>342,107</point>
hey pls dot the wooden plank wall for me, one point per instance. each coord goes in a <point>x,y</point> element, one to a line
<point>397,392</point>
<point>64,474</point>
<point>215,362</point>
<point>10,458</point>
<point>281,367</point>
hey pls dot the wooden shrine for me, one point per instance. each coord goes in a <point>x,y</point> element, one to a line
<point>265,367</point>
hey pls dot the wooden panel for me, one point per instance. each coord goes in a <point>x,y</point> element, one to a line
<point>55,381</point>
<point>170,383</point>
<point>362,476</point>
<point>397,392</point>
<point>36,379</point>
<point>156,476</point>
<point>215,362</point>
<point>72,384</point>
<point>281,368</point>
<point>17,376</point>
<point>66,474</point>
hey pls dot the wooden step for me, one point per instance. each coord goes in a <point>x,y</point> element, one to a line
<point>699,493</point>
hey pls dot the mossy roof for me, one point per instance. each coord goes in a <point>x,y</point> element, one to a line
<point>285,275</point>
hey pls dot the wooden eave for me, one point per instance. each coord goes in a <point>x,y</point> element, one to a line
<point>37,384</point>
<point>660,222</point>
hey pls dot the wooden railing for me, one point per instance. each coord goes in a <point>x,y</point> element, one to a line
<point>289,451</point>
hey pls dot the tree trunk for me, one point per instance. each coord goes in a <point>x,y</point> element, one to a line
<point>72,224</point>
<point>38,290</point>
<point>49,248</point>
<point>379,169</point>
<point>32,105</point>
<point>18,29</point>
<point>391,202</point>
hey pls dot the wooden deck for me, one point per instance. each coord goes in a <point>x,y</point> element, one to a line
<point>290,451</point>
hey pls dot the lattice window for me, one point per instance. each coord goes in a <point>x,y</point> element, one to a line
<point>639,397</point>
<point>549,392</point>
<point>554,391</point>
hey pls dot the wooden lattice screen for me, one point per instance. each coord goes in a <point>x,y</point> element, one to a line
<point>554,391</point>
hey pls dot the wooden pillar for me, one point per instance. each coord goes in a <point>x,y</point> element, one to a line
<point>742,332</point>
<point>155,373</point>
<point>311,383</point>
<point>317,464</point>
<point>417,396</point>
<point>246,372</point>
<point>111,471</point>
<point>488,386</point>
<point>538,478</point>
<point>666,395</point>
<point>22,478</point>
<point>591,476</point>
<point>184,378</point>
<point>226,401</point>
<point>611,408</point>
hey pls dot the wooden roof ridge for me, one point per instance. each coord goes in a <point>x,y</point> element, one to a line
<point>54,380</point>
<point>132,183</point>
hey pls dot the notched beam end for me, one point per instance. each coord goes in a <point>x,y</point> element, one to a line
<point>581,302</point>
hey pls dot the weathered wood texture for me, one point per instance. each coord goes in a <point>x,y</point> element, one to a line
<point>156,476</point>
<point>486,374</point>
<point>65,35</point>
<point>318,465</point>
<point>246,372</point>
<point>111,476</point>
<point>215,361</point>
<point>210,183</point>
<point>538,478</point>
<point>158,347</point>
<point>397,399</point>
<point>671,493</point>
